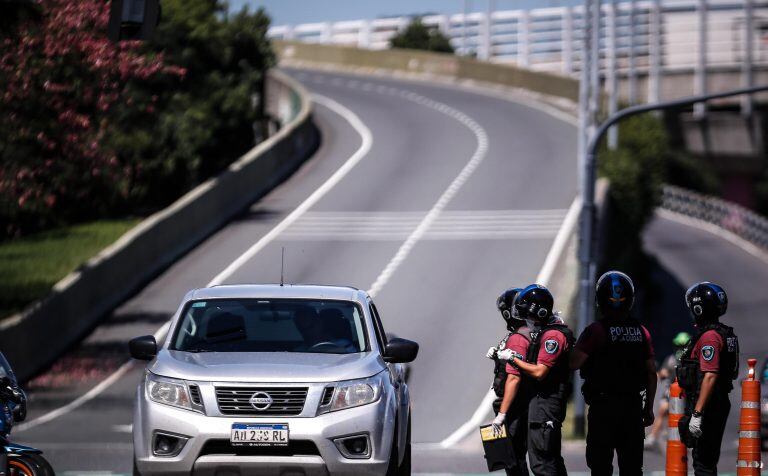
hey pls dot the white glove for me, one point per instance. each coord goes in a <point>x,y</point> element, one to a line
<point>695,426</point>
<point>508,354</point>
<point>498,422</point>
<point>491,354</point>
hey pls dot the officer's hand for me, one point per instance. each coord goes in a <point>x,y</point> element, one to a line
<point>491,354</point>
<point>498,422</point>
<point>695,426</point>
<point>648,417</point>
<point>508,354</point>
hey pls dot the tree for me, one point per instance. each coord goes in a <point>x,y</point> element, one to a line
<point>62,78</point>
<point>201,124</point>
<point>418,36</point>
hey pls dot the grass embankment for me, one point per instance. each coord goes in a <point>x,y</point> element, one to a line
<point>31,265</point>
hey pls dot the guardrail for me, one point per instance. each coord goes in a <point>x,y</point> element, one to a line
<point>434,64</point>
<point>727,215</point>
<point>550,38</point>
<point>36,337</point>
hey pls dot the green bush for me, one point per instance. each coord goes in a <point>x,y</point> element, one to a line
<point>637,170</point>
<point>418,36</point>
<point>201,123</point>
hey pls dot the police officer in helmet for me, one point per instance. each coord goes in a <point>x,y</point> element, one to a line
<point>548,367</point>
<point>616,359</point>
<point>709,365</point>
<point>511,404</point>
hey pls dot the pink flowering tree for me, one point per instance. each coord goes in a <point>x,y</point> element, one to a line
<point>61,80</point>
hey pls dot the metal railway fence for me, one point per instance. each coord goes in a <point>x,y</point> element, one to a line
<point>724,214</point>
<point>636,37</point>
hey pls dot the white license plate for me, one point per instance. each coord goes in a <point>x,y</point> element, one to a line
<point>259,434</point>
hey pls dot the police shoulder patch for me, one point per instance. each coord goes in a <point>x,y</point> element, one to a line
<point>708,352</point>
<point>550,346</point>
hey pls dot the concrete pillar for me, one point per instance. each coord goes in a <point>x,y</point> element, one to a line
<point>364,34</point>
<point>566,50</point>
<point>523,27</point>
<point>632,67</point>
<point>654,72</point>
<point>611,77</point>
<point>747,77</point>
<point>700,71</point>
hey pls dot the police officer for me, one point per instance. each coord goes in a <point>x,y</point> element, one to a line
<point>706,372</point>
<point>548,367</point>
<point>615,356</point>
<point>511,404</point>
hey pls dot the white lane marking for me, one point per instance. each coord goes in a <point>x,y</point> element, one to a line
<point>362,151</point>
<point>90,394</point>
<point>450,225</point>
<point>365,146</point>
<point>729,236</point>
<point>477,157</point>
<point>545,276</point>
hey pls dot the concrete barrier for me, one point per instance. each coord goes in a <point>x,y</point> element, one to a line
<point>438,64</point>
<point>33,339</point>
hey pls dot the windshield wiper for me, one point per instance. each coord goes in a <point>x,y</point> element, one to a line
<point>197,350</point>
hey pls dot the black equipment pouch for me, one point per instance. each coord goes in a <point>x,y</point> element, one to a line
<point>688,374</point>
<point>685,434</point>
<point>497,447</point>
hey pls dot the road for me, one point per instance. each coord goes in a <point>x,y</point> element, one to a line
<point>448,196</point>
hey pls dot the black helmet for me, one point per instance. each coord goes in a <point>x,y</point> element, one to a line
<point>615,293</point>
<point>706,301</point>
<point>505,304</point>
<point>535,302</point>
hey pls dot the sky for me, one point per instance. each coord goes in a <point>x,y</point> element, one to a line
<point>308,11</point>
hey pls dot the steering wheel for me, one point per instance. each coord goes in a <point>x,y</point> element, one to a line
<point>324,344</point>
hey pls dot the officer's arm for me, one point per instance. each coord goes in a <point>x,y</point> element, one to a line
<point>578,358</point>
<point>510,391</point>
<point>650,393</point>
<point>537,371</point>
<point>707,386</point>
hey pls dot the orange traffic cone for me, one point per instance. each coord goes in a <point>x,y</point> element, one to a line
<point>677,453</point>
<point>748,462</point>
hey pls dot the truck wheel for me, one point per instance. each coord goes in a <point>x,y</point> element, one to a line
<point>405,466</point>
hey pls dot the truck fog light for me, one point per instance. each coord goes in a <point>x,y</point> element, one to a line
<point>354,447</point>
<point>167,444</point>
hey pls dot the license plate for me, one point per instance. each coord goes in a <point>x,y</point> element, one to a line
<point>259,434</point>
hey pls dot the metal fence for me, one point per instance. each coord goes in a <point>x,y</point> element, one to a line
<point>727,215</point>
<point>635,36</point>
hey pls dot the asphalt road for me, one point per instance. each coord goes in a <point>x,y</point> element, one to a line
<point>460,196</point>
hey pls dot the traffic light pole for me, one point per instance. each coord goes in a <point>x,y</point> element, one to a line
<point>587,265</point>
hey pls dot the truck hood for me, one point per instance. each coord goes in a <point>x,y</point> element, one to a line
<point>265,367</point>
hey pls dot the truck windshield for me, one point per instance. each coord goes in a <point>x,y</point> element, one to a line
<point>264,325</point>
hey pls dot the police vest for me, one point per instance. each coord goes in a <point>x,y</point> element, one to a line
<point>619,366</point>
<point>558,380</point>
<point>689,374</point>
<point>500,366</point>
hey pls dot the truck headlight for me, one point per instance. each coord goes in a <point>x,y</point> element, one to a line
<point>354,393</point>
<point>168,391</point>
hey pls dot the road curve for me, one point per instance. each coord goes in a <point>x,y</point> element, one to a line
<point>456,196</point>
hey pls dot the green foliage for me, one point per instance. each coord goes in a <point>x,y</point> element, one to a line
<point>637,170</point>
<point>31,265</point>
<point>418,36</point>
<point>201,123</point>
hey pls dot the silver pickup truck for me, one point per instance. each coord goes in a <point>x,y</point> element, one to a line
<point>270,379</point>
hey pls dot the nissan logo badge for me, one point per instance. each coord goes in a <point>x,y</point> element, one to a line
<point>261,401</point>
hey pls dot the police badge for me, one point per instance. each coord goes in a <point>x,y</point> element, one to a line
<point>550,346</point>
<point>708,352</point>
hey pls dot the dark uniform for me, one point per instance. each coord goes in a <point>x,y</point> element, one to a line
<point>714,349</point>
<point>517,414</point>
<point>614,376</point>
<point>546,411</point>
